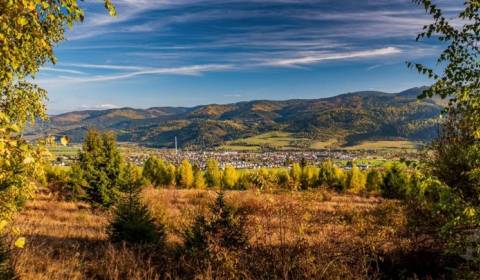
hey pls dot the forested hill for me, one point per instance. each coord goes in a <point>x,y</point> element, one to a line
<point>347,118</point>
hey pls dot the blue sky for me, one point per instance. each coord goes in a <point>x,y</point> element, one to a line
<point>190,52</point>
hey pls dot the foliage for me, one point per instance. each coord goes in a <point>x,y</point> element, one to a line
<point>213,174</point>
<point>133,223</point>
<point>155,171</point>
<point>216,238</point>
<point>229,178</point>
<point>296,175</point>
<point>355,180</point>
<point>185,174</point>
<point>199,180</point>
<point>100,163</point>
<point>309,177</point>
<point>331,176</point>
<point>455,155</point>
<point>374,180</point>
<point>395,182</point>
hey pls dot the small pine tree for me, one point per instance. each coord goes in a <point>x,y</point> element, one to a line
<point>154,170</point>
<point>223,228</point>
<point>133,223</point>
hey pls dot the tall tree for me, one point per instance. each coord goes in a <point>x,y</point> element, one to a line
<point>101,165</point>
<point>455,153</point>
<point>213,174</point>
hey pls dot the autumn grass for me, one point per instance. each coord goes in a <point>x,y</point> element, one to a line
<point>292,235</point>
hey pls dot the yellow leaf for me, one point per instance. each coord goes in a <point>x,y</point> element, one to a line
<point>20,243</point>
<point>3,224</point>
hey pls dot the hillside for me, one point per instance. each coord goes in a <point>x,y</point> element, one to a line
<point>345,119</point>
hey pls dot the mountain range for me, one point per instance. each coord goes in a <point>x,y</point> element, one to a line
<point>346,118</point>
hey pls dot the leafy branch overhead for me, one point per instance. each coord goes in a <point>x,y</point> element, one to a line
<point>459,77</point>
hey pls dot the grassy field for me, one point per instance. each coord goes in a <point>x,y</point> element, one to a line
<point>309,235</point>
<point>288,141</point>
<point>278,139</point>
<point>385,145</point>
<point>70,150</point>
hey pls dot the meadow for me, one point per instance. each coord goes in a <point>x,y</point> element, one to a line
<point>292,235</point>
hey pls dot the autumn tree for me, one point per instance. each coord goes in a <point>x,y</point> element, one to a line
<point>355,180</point>
<point>185,174</point>
<point>229,178</point>
<point>213,174</point>
<point>199,180</point>
<point>296,175</point>
<point>455,154</point>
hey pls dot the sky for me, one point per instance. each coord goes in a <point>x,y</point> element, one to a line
<point>192,52</point>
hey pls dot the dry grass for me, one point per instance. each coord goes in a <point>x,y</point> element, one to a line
<point>295,235</point>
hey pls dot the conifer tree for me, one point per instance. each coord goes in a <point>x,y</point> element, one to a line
<point>133,222</point>
<point>101,165</point>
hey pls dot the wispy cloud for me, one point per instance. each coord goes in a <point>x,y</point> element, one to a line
<point>332,56</point>
<point>99,107</point>
<point>61,70</point>
<point>192,70</point>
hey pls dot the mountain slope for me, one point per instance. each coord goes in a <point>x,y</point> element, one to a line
<point>347,118</point>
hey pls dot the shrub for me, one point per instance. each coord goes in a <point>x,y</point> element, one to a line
<point>6,269</point>
<point>217,238</point>
<point>395,182</point>
<point>374,180</point>
<point>283,179</point>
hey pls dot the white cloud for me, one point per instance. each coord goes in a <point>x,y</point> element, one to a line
<point>313,59</point>
<point>182,70</point>
<point>61,70</point>
<point>99,107</point>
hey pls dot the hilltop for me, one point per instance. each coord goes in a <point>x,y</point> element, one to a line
<point>341,120</point>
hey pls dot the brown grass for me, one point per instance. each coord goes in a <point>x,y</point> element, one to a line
<point>292,235</point>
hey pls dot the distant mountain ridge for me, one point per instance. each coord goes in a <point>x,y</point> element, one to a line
<point>347,118</point>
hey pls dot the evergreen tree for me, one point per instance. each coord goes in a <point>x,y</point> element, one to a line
<point>100,163</point>
<point>395,182</point>
<point>133,223</point>
<point>213,174</point>
<point>154,171</point>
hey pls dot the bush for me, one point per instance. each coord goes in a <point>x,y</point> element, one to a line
<point>6,269</point>
<point>374,181</point>
<point>395,183</point>
<point>217,238</point>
